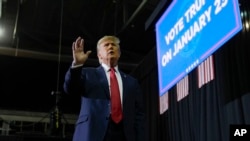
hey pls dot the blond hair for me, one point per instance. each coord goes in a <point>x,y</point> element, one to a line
<point>108,37</point>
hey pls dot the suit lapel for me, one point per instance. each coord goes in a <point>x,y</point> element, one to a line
<point>124,84</point>
<point>103,80</point>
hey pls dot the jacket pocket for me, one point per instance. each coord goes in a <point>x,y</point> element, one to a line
<point>82,119</point>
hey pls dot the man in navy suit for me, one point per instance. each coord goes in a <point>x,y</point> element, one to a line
<point>93,85</point>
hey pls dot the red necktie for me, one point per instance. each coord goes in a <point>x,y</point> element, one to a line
<point>116,109</point>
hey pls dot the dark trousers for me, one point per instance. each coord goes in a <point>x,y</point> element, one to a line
<point>115,132</point>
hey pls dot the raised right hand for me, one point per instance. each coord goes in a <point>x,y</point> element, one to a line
<point>79,56</point>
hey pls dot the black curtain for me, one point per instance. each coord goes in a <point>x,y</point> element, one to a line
<point>206,113</point>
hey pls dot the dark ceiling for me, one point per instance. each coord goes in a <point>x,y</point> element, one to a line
<point>35,51</point>
<point>50,26</point>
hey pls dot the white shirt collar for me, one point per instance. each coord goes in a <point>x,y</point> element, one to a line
<point>106,67</point>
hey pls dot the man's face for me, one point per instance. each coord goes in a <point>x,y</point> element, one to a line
<point>109,51</point>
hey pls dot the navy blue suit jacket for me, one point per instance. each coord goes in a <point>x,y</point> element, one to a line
<point>92,85</point>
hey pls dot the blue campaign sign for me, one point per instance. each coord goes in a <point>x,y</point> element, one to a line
<point>190,31</point>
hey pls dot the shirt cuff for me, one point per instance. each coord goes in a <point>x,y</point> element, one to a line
<point>76,66</point>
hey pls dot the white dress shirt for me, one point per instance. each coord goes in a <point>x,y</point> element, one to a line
<point>118,76</point>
